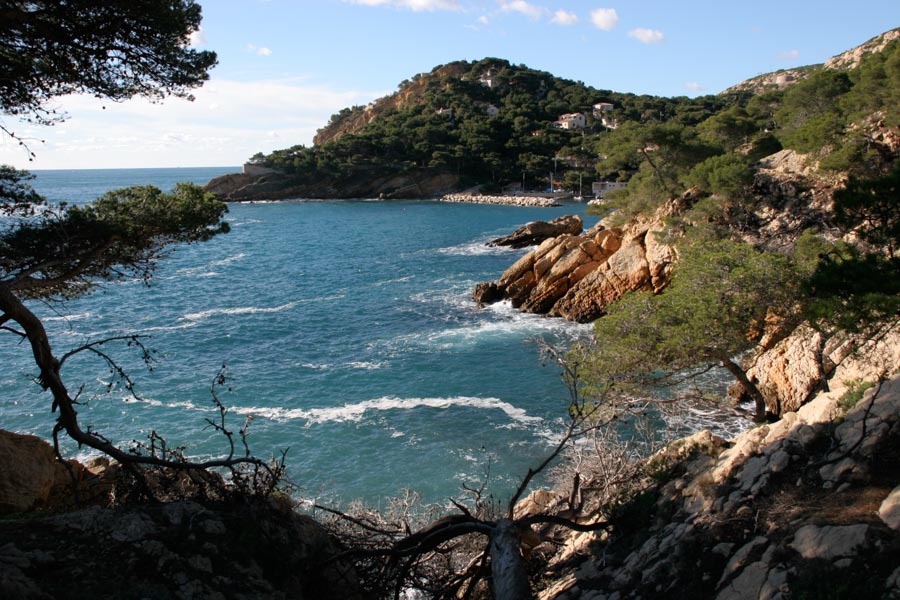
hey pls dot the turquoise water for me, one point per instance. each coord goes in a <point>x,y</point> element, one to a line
<point>348,329</point>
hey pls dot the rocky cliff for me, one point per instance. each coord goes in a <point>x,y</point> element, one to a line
<point>807,507</point>
<point>787,77</point>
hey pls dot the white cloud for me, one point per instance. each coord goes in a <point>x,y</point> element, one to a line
<point>261,51</point>
<point>228,122</point>
<point>197,38</point>
<point>521,6</point>
<point>565,18</point>
<point>484,19</point>
<point>693,86</point>
<point>414,5</point>
<point>647,36</point>
<point>789,55</point>
<point>605,18</point>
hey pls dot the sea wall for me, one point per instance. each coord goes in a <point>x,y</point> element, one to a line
<point>503,200</point>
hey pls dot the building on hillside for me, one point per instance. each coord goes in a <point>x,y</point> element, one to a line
<point>571,121</point>
<point>599,188</point>
<point>488,80</point>
<point>609,122</point>
<point>491,110</point>
<point>602,107</point>
<point>444,112</point>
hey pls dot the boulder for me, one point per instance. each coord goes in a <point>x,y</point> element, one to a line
<point>486,293</point>
<point>829,542</point>
<point>537,231</point>
<point>29,473</point>
<point>889,511</point>
<point>33,478</point>
<point>625,270</point>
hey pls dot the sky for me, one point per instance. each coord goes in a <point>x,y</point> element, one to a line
<point>285,66</point>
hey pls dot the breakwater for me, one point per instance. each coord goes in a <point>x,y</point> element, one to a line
<point>504,200</point>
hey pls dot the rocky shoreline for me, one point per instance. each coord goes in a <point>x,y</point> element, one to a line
<point>576,275</point>
<point>502,200</point>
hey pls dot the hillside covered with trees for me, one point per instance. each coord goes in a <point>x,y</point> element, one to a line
<point>492,125</point>
<point>488,123</point>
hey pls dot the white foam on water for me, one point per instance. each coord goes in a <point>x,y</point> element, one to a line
<point>185,404</point>
<point>317,366</point>
<point>356,412</point>
<point>390,281</point>
<point>68,318</point>
<point>207,269</point>
<point>477,248</point>
<point>366,365</point>
<point>509,323</point>
<point>242,310</point>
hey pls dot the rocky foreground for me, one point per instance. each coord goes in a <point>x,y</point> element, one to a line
<point>807,507</point>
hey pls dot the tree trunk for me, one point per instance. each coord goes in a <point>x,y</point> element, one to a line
<point>507,565</point>
<point>758,399</point>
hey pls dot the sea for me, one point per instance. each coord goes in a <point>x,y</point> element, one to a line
<point>348,335</point>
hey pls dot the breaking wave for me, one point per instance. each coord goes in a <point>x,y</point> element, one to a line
<point>356,412</point>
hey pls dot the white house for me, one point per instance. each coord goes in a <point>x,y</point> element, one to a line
<point>598,188</point>
<point>444,112</point>
<point>571,121</point>
<point>602,107</point>
<point>491,110</point>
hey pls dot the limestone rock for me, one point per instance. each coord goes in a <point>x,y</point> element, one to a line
<point>29,473</point>
<point>486,293</point>
<point>829,542</point>
<point>889,511</point>
<point>789,372</point>
<point>538,231</point>
<point>792,370</point>
<point>578,276</point>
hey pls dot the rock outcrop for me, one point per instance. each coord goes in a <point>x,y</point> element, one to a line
<point>802,507</point>
<point>578,276</point>
<point>32,478</point>
<point>176,550</point>
<point>365,183</point>
<point>64,545</point>
<point>794,369</point>
<point>536,232</point>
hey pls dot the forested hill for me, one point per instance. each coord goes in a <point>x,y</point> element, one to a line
<point>487,122</point>
<point>526,102</point>
<point>496,125</point>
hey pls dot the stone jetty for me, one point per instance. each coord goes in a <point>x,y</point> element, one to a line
<point>505,200</point>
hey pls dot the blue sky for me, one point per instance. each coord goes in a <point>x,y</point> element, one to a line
<point>286,65</point>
